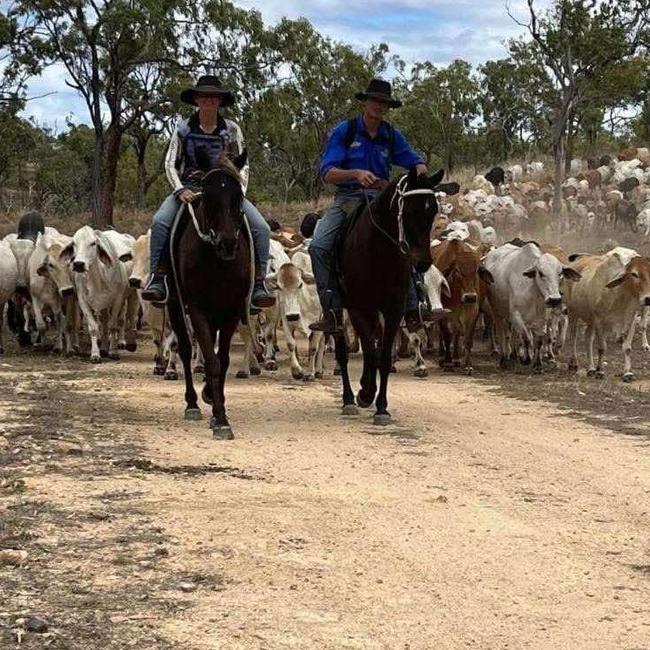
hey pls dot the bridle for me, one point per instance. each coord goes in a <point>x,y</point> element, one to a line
<point>211,237</point>
<point>401,193</point>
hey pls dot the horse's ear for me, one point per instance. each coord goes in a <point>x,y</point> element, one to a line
<point>241,159</point>
<point>203,159</point>
<point>448,188</point>
<point>437,177</point>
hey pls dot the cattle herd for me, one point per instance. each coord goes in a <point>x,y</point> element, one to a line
<point>494,272</point>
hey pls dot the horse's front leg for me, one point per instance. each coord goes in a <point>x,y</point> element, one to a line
<point>205,333</point>
<point>177,321</point>
<point>341,351</point>
<point>391,325</point>
<point>366,327</point>
<point>221,429</point>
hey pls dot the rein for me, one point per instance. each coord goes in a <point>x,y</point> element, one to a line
<point>402,194</point>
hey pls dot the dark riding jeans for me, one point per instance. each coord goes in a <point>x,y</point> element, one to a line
<point>164,219</point>
<point>321,249</point>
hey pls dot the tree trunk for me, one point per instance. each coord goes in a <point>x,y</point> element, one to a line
<point>570,145</point>
<point>142,177</point>
<point>105,176</point>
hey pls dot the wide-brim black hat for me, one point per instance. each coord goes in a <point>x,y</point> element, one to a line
<point>381,90</point>
<point>207,85</point>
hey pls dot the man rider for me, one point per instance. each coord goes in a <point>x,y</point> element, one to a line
<point>206,129</point>
<point>357,159</point>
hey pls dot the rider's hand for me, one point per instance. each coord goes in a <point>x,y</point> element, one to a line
<point>186,196</point>
<point>365,178</point>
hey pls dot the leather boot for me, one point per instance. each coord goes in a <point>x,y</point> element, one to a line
<point>261,298</point>
<point>156,290</point>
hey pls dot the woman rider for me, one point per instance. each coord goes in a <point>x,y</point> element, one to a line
<point>209,130</point>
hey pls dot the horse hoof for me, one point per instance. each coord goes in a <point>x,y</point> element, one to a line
<point>381,419</point>
<point>256,372</point>
<point>158,371</point>
<point>221,431</point>
<point>627,377</point>
<point>114,355</point>
<point>205,396</point>
<point>297,374</point>
<point>131,347</point>
<point>601,375</point>
<point>198,370</point>
<point>95,358</point>
<point>241,374</point>
<point>193,414</point>
<point>318,375</point>
<point>271,365</point>
<point>349,409</point>
<point>421,373</point>
<point>171,375</point>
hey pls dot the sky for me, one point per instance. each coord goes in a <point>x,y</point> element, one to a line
<point>418,30</point>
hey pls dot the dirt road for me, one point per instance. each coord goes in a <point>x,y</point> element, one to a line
<point>478,519</point>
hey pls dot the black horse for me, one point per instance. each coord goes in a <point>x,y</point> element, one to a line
<point>390,237</point>
<point>211,261</point>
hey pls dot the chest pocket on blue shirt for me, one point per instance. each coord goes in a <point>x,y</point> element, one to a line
<point>356,153</point>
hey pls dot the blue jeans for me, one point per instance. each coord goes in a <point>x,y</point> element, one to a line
<point>321,250</point>
<point>164,219</point>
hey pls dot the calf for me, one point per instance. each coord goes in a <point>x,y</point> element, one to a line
<point>298,304</point>
<point>614,288</point>
<point>100,282</point>
<point>51,289</point>
<point>526,284</point>
<point>461,266</point>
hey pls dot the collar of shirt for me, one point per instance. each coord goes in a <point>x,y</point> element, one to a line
<point>382,131</point>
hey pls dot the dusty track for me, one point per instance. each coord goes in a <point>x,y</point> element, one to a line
<point>477,520</point>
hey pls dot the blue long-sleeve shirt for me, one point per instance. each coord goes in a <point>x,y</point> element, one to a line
<point>371,154</point>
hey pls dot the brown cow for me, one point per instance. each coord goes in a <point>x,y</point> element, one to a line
<point>460,263</point>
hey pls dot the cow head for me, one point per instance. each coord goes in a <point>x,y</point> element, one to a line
<point>547,273</point>
<point>22,250</point>
<point>288,281</point>
<point>141,261</point>
<point>53,266</point>
<point>636,279</point>
<point>86,249</point>
<point>461,266</point>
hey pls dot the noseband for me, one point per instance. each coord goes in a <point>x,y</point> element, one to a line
<point>401,193</point>
<point>211,237</point>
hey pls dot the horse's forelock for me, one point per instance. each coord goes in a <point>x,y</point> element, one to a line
<point>224,164</point>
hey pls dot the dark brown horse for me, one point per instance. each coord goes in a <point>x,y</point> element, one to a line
<point>390,237</point>
<point>211,260</point>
